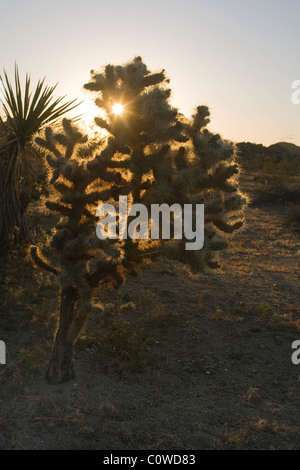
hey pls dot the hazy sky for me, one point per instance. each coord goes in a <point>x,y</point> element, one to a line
<point>239,57</point>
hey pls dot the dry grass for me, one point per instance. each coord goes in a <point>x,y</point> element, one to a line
<point>173,362</point>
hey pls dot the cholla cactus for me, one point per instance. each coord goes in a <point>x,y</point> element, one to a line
<point>83,261</point>
<point>144,132</point>
<point>205,173</point>
<point>171,160</point>
<point>153,156</point>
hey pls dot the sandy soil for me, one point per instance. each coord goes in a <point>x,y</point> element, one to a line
<point>173,362</point>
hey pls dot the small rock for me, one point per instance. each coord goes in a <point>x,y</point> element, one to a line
<point>253,395</point>
<point>168,272</point>
<point>109,306</point>
<point>88,430</point>
<point>255,330</point>
<point>128,306</point>
<point>127,297</point>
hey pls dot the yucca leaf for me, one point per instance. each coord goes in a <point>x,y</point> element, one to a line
<point>27,96</point>
<point>18,95</point>
<point>26,114</point>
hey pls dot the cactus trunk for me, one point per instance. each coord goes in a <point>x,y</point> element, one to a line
<point>60,367</point>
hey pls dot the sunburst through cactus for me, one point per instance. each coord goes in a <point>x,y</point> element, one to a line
<point>152,155</point>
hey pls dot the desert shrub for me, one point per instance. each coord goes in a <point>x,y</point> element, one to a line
<point>276,190</point>
<point>25,113</point>
<point>152,155</point>
<point>293,217</point>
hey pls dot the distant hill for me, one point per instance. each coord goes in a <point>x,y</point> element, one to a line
<point>279,151</point>
<point>285,147</point>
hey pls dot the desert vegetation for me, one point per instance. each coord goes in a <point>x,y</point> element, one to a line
<point>24,115</point>
<point>151,157</point>
<point>203,336</point>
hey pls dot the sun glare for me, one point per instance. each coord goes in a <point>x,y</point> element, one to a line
<point>117,108</point>
<point>88,111</point>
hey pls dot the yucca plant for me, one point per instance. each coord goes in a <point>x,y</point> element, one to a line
<point>25,113</point>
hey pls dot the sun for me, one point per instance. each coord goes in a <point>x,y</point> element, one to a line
<point>117,108</point>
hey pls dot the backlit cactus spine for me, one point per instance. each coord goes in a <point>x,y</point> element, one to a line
<point>82,260</point>
<point>207,173</point>
<point>170,159</point>
<point>152,155</point>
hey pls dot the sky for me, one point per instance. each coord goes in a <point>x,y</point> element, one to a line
<point>238,57</point>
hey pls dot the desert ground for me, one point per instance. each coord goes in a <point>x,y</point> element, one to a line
<point>174,361</point>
